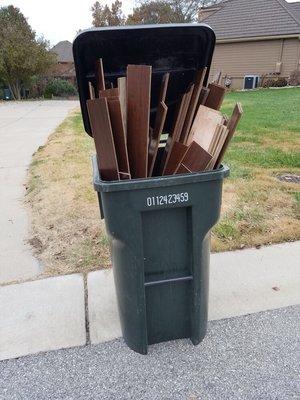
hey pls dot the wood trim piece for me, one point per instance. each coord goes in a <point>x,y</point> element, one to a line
<point>164,88</point>
<point>103,137</point>
<point>190,115</point>
<point>203,96</point>
<point>155,135</point>
<point>232,125</point>
<point>124,176</point>
<point>138,115</point>
<point>99,75</point>
<point>118,131</point>
<point>177,154</point>
<point>195,159</point>
<point>174,135</point>
<point>91,91</point>
<point>218,145</point>
<point>216,96</point>
<point>123,100</point>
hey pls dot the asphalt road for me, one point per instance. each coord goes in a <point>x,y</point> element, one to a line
<point>251,357</point>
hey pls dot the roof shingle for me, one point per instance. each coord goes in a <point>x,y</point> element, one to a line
<point>64,52</point>
<point>246,19</point>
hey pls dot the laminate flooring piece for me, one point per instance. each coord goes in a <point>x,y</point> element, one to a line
<point>138,115</point>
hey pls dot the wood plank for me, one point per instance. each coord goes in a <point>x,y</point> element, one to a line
<point>176,156</point>
<point>114,107</point>
<point>182,170</point>
<point>204,126</point>
<point>215,139</point>
<point>114,92</point>
<point>91,91</point>
<point>99,75</point>
<point>203,96</point>
<point>122,82</point>
<point>195,159</point>
<point>216,96</point>
<point>232,125</point>
<point>220,140</point>
<point>103,137</point>
<point>155,135</point>
<point>190,115</point>
<point>138,115</point>
<point>164,88</point>
<point>187,102</point>
<point>175,133</point>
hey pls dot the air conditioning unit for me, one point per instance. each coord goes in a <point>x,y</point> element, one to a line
<point>251,81</point>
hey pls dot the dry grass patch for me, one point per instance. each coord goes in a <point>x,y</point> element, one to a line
<point>68,235</point>
<point>66,231</point>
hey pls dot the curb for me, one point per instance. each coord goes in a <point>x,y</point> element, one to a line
<point>50,314</point>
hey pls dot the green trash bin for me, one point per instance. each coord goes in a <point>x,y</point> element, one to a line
<point>159,227</point>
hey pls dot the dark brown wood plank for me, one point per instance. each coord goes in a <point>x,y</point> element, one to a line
<point>164,88</point>
<point>114,92</point>
<point>216,96</point>
<point>103,137</point>
<point>99,75</point>
<point>118,131</point>
<point>155,135</point>
<point>182,170</point>
<point>173,135</point>
<point>231,126</point>
<point>190,115</point>
<point>138,114</point>
<point>176,156</point>
<point>195,159</point>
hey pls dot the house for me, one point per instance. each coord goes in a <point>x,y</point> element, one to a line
<point>256,40</point>
<point>64,68</point>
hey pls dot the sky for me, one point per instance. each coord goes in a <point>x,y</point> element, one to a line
<point>58,20</point>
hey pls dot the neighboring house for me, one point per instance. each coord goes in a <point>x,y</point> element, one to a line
<point>64,68</point>
<point>255,39</point>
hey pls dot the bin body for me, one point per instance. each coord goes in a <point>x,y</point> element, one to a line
<point>159,230</point>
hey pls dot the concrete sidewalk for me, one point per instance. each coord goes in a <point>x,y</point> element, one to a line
<point>241,282</point>
<point>254,357</point>
<point>24,126</point>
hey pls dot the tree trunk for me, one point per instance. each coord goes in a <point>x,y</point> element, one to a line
<point>15,89</point>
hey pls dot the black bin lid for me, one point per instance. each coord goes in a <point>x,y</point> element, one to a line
<point>180,49</point>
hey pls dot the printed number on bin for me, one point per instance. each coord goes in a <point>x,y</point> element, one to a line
<point>167,199</point>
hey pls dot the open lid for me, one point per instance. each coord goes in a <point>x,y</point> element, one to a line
<point>181,49</point>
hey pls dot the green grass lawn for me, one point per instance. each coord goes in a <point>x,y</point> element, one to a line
<point>257,208</point>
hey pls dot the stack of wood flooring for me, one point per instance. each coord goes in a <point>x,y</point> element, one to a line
<point>127,146</point>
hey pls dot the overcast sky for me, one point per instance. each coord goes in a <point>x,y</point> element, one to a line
<point>60,19</point>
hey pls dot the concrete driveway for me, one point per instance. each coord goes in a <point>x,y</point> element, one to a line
<point>24,126</point>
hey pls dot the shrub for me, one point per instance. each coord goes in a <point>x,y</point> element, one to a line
<point>275,82</point>
<point>59,88</point>
<point>294,78</point>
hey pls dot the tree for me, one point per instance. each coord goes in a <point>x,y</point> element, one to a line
<point>167,11</point>
<point>152,12</point>
<point>108,16</point>
<point>22,55</point>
